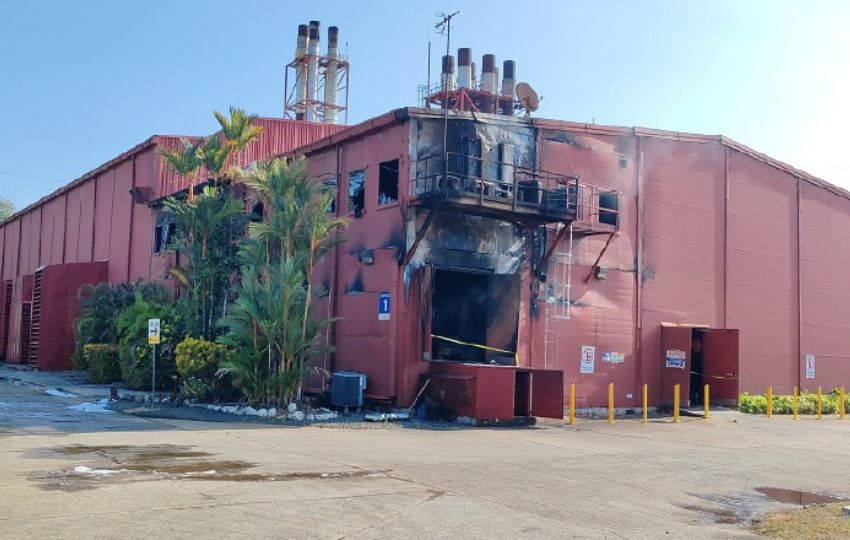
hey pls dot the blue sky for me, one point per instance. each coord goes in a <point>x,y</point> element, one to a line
<point>82,81</point>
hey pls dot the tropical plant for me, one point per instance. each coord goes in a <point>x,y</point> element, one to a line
<point>270,326</point>
<point>215,153</point>
<point>100,305</point>
<point>185,162</point>
<point>133,350</point>
<point>208,232</point>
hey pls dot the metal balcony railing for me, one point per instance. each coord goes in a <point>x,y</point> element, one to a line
<point>497,185</point>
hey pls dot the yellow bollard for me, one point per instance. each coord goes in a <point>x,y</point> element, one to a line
<point>820,402</point>
<point>769,401</point>
<point>645,404</point>
<point>706,400</point>
<point>794,402</point>
<point>610,403</point>
<point>676,403</point>
<point>572,404</point>
<point>841,403</point>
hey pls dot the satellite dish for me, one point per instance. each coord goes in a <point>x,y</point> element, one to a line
<point>527,97</point>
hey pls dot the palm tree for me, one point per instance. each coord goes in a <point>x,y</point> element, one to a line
<point>272,317</point>
<point>185,162</point>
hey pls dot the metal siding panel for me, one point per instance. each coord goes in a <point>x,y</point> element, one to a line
<point>86,239</point>
<point>119,252</point>
<point>825,265</point>
<point>72,226</point>
<point>762,268</point>
<point>603,310</point>
<point>10,249</point>
<point>103,215</point>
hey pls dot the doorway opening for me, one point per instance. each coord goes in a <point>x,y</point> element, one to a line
<point>693,356</point>
<point>474,316</point>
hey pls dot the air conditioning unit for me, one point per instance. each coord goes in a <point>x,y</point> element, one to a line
<point>347,388</point>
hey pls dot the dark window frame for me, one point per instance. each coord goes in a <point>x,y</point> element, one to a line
<point>357,196</point>
<point>388,182</point>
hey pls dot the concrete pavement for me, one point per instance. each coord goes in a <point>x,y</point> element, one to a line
<point>105,475</point>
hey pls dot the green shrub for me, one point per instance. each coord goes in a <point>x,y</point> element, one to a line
<point>197,362</point>
<point>100,305</point>
<point>102,362</point>
<point>133,349</point>
<point>807,403</point>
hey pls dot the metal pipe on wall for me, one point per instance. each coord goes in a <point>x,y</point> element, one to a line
<point>301,71</point>
<point>488,82</point>
<point>313,50</point>
<point>331,76</point>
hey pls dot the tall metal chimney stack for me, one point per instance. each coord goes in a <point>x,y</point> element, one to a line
<point>488,82</point>
<point>474,76</point>
<point>447,75</point>
<point>464,68</point>
<point>488,73</point>
<point>331,75</point>
<point>509,79</point>
<point>314,50</point>
<point>300,72</point>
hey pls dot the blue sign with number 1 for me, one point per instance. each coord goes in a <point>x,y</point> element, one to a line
<point>384,306</point>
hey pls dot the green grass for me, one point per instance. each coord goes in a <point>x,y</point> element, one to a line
<point>783,404</point>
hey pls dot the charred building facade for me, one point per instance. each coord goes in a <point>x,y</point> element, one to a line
<point>533,253</point>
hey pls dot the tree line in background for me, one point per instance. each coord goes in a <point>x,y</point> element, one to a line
<point>240,320</point>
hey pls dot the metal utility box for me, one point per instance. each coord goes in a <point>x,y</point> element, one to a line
<point>347,389</point>
<point>492,392</point>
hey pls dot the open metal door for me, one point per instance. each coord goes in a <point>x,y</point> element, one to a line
<point>675,363</point>
<point>720,369</point>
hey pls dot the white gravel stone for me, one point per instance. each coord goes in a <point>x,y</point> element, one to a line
<point>292,407</point>
<point>262,413</point>
<point>250,411</point>
<point>272,412</point>
<point>297,415</point>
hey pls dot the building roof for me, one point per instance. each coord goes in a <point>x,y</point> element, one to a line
<point>399,115</point>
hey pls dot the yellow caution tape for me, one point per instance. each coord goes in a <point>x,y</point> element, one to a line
<point>715,376</point>
<point>476,345</point>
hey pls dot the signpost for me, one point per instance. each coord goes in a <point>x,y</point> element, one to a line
<point>153,341</point>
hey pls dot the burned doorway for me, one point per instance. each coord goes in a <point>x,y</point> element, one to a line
<point>474,316</point>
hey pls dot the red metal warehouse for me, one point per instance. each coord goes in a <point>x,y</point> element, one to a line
<point>500,256</point>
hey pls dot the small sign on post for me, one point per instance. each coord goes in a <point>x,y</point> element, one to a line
<point>153,341</point>
<point>153,331</point>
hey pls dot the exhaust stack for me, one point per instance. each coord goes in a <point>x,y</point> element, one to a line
<point>488,82</point>
<point>300,72</point>
<point>331,81</point>
<point>464,68</point>
<point>509,79</point>
<point>447,75</point>
<point>314,50</point>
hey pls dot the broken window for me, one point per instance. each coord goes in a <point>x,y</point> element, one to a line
<point>257,213</point>
<point>163,233</point>
<point>357,192</point>
<point>608,207</point>
<point>330,185</point>
<point>388,182</point>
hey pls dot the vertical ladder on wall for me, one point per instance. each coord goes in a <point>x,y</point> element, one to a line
<point>558,288</point>
<point>35,317</point>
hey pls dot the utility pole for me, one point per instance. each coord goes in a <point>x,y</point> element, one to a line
<point>444,26</point>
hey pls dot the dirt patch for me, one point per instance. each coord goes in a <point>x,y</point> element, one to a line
<point>819,521</point>
<point>717,515</point>
<point>105,465</point>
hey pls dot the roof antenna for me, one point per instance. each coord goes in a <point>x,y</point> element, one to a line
<point>444,26</point>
